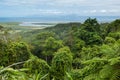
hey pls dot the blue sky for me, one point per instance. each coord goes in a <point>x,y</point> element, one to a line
<point>21,8</point>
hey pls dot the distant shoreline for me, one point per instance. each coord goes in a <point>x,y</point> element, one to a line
<point>58,19</point>
<point>36,24</point>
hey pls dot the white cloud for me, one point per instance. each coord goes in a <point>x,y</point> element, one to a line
<point>103,11</point>
<point>62,2</point>
<point>49,12</point>
<point>79,7</point>
<point>46,11</point>
<point>22,2</point>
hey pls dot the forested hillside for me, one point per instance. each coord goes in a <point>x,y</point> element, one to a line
<point>67,51</point>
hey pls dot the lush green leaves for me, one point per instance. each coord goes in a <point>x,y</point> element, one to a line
<point>74,51</point>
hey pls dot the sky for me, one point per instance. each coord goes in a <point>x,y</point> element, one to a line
<point>24,8</point>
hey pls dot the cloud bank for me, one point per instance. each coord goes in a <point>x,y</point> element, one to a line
<point>60,7</point>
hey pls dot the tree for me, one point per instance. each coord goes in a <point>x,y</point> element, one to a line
<point>60,63</point>
<point>109,40</point>
<point>36,65</point>
<point>39,42</point>
<point>89,32</point>
<point>102,67</point>
<point>114,26</point>
<point>3,53</point>
<point>14,52</point>
<point>91,25</point>
<point>50,47</point>
<point>115,35</point>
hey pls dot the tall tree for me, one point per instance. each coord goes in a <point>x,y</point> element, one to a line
<point>60,63</point>
<point>50,47</point>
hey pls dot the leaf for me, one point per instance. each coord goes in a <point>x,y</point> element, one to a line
<point>114,61</point>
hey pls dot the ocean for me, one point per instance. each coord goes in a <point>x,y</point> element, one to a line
<point>58,19</point>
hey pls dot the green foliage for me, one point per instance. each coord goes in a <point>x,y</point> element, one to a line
<point>91,25</point>
<point>43,43</point>
<point>110,51</point>
<point>11,74</point>
<point>76,64</point>
<point>73,51</point>
<point>51,46</point>
<point>77,45</point>
<point>3,55</point>
<point>46,35</point>
<point>114,26</point>
<point>114,61</point>
<point>109,40</point>
<point>76,74</point>
<point>89,32</point>
<point>60,63</point>
<point>115,35</point>
<point>14,52</point>
<point>20,51</point>
<point>110,71</point>
<point>101,68</point>
<point>36,65</point>
<point>88,53</point>
<point>1,27</point>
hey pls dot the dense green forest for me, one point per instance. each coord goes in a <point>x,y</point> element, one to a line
<point>66,51</point>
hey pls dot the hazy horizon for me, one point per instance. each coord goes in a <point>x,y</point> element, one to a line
<point>57,19</point>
